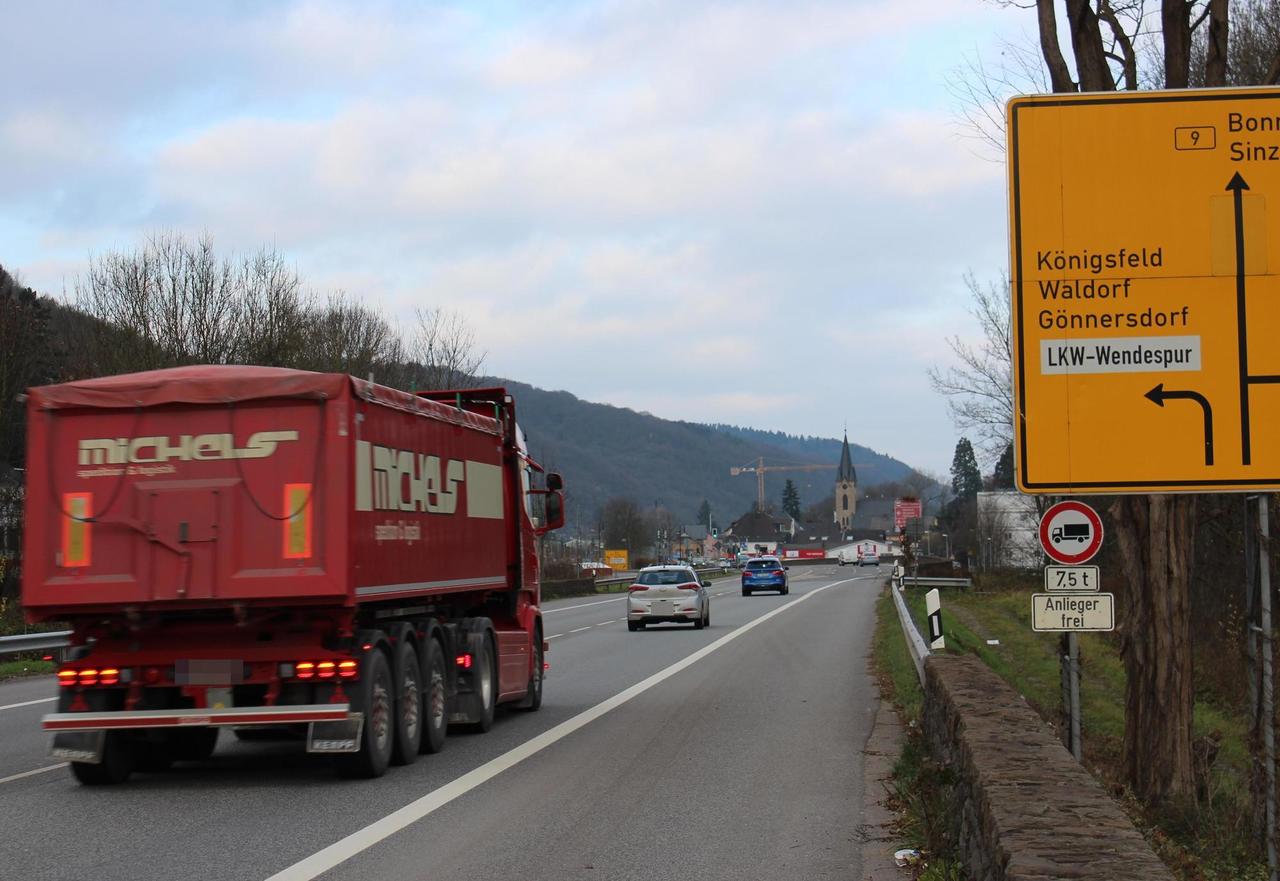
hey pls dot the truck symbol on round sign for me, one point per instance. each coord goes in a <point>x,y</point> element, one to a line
<point>1070,532</point>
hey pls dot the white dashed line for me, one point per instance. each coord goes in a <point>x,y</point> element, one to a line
<point>555,636</point>
<point>613,599</point>
<point>580,629</point>
<point>43,700</point>
<point>13,777</point>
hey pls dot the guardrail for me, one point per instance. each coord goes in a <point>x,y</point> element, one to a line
<point>34,642</point>
<point>913,581</point>
<point>916,645</point>
<point>627,579</point>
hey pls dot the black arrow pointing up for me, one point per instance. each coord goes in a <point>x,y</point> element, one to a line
<point>1237,186</point>
<point>1158,396</point>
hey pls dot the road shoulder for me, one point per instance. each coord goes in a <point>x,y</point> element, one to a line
<point>879,841</point>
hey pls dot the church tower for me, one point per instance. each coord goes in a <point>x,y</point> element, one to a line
<point>846,488</point>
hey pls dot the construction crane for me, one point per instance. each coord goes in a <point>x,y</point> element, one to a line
<point>759,469</point>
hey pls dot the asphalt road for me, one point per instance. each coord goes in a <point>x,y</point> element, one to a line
<point>729,753</point>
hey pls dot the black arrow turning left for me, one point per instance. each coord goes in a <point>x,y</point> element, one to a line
<point>1158,396</point>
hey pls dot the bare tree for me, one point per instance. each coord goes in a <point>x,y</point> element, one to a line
<point>443,347</point>
<point>171,302</point>
<point>979,389</point>
<point>274,312</point>
<point>346,337</point>
<point>24,361</point>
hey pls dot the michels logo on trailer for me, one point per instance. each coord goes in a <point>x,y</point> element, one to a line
<point>187,448</point>
<point>388,479</point>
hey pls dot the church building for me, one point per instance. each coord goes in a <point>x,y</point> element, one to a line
<point>846,489</point>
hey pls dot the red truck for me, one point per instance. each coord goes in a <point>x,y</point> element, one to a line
<point>254,547</point>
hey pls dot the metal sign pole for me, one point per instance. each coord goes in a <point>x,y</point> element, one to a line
<point>1268,698</point>
<point>1073,663</point>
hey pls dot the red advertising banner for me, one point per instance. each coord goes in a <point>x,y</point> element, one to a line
<point>906,509</point>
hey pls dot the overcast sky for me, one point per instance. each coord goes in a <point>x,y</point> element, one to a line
<point>756,213</point>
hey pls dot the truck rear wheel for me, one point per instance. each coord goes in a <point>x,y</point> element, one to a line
<point>117,762</point>
<point>408,728</point>
<point>533,700</point>
<point>377,734</point>
<point>435,701</point>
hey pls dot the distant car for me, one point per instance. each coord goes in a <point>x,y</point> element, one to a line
<point>870,559</point>
<point>668,594</point>
<point>764,573</point>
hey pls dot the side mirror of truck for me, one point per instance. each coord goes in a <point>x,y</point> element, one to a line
<point>553,506</point>
<point>555,482</point>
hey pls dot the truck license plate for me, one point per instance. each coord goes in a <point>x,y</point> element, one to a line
<point>218,698</point>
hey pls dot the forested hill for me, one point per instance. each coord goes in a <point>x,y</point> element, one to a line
<point>606,451</point>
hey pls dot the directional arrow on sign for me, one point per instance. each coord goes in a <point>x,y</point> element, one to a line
<point>1158,396</point>
<point>1237,186</point>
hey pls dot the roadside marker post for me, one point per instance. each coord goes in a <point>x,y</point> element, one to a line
<point>933,605</point>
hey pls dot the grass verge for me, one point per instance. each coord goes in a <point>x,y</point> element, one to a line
<point>16,669</point>
<point>920,795</point>
<point>1206,840</point>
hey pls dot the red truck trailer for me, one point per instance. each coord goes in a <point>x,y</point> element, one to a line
<point>253,547</point>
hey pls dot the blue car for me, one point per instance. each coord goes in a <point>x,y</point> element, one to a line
<point>764,573</point>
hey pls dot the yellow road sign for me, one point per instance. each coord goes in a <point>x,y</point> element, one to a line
<point>1145,296</point>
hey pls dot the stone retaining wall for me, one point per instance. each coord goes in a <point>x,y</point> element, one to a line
<point>1025,810</point>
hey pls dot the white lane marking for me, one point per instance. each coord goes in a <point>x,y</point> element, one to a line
<point>555,636</point>
<point>604,623</point>
<point>344,849</point>
<point>13,777</point>
<point>580,629</point>
<point>43,700</point>
<point>582,605</point>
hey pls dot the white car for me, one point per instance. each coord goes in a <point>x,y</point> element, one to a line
<point>668,594</point>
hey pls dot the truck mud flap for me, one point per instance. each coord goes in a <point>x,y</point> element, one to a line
<point>336,737</point>
<point>78,746</point>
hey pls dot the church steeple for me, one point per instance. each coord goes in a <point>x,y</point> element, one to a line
<point>846,488</point>
<point>846,474</point>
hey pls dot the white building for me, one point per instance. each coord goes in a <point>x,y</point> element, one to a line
<point>1007,531</point>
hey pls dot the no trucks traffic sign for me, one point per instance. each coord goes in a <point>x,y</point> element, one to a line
<point>1145,276</point>
<point>1070,532</point>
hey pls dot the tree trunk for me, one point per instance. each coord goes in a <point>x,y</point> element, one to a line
<point>1156,536</point>
<point>1059,73</point>
<point>1086,42</point>
<point>1175,23</point>
<point>1215,63</point>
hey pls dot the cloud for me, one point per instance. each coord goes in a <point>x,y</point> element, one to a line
<point>681,206</point>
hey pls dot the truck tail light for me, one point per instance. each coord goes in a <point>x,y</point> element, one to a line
<point>305,670</point>
<point>348,669</point>
<point>464,661</point>
<point>67,677</point>
<point>89,676</point>
<point>326,669</point>
<point>108,676</point>
<point>152,675</point>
